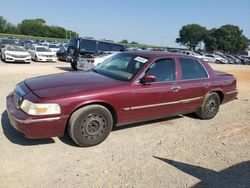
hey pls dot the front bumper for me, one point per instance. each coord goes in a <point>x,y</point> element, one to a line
<point>47,59</point>
<point>34,127</point>
<point>14,59</point>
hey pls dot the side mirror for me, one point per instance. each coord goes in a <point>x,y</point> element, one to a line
<point>147,79</point>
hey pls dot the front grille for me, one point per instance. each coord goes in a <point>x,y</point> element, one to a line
<point>19,56</point>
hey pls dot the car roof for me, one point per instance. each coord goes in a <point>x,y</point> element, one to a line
<point>157,54</point>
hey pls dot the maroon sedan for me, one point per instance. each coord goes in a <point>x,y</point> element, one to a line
<point>128,87</point>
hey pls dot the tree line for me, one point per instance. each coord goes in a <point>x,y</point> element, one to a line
<point>227,38</point>
<point>35,27</point>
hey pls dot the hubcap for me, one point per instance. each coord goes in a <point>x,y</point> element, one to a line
<point>93,126</point>
<point>211,107</point>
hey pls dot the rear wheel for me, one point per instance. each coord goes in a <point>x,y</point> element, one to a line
<point>90,125</point>
<point>210,106</point>
<point>73,65</point>
<point>217,62</point>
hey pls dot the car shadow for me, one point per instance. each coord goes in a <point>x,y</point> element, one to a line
<point>17,138</point>
<point>66,69</point>
<point>144,123</point>
<point>17,62</point>
<point>234,176</point>
<point>67,140</point>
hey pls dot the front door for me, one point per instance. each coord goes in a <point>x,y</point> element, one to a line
<point>158,99</point>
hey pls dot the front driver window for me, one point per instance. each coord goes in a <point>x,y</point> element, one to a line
<point>164,70</point>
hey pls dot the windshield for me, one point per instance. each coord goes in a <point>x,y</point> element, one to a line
<point>16,48</point>
<point>121,66</point>
<point>42,49</point>
<point>53,46</point>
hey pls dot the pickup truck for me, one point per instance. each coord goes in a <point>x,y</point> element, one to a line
<point>129,87</point>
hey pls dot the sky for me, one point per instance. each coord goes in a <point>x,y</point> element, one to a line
<point>155,22</point>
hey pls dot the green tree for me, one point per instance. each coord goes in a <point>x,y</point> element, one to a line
<point>3,23</point>
<point>210,40</point>
<point>230,39</point>
<point>34,27</point>
<point>191,35</point>
<point>133,42</point>
<point>125,41</point>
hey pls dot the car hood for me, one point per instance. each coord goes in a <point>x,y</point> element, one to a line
<point>71,83</point>
<point>17,53</point>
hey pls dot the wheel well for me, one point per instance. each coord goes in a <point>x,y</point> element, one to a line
<point>221,95</point>
<point>106,105</point>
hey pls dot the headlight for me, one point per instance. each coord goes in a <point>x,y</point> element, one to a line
<point>40,108</point>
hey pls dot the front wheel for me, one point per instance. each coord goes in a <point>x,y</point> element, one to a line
<point>90,125</point>
<point>210,106</point>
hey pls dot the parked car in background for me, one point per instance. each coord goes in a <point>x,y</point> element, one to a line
<point>62,54</point>
<point>14,53</point>
<point>231,61</point>
<point>92,60</point>
<point>42,53</point>
<point>243,60</point>
<point>216,58</point>
<point>54,47</point>
<point>194,54</point>
<point>4,42</point>
<point>236,61</point>
<point>129,87</point>
<point>86,51</point>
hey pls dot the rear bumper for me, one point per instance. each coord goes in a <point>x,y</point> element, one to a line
<point>230,95</point>
<point>34,127</point>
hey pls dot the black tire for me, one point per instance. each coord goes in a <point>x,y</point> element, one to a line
<point>210,106</point>
<point>36,59</point>
<point>90,125</point>
<point>217,62</point>
<point>73,65</point>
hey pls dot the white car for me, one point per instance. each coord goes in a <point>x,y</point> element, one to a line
<point>89,62</point>
<point>194,54</point>
<point>54,47</point>
<point>13,53</point>
<point>42,53</point>
<point>215,58</point>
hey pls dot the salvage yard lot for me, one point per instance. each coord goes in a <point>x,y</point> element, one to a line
<point>181,151</point>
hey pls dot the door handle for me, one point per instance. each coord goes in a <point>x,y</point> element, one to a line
<point>206,85</point>
<point>175,88</point>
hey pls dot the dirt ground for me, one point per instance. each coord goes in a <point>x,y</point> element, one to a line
<point>181,151</point>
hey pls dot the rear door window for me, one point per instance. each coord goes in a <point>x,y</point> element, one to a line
<point>192,69</point>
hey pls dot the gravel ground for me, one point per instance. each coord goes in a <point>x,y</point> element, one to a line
<point>181,151</point>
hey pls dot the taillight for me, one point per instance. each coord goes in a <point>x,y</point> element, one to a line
<point>90,60</point>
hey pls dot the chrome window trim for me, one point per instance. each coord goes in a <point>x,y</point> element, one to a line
<point>208,76</point>
<point>162,104</point>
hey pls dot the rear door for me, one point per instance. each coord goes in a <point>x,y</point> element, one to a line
<point>194,84</point>
<point>158,99</point>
